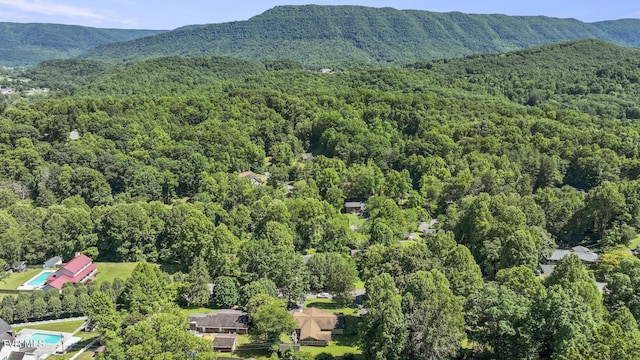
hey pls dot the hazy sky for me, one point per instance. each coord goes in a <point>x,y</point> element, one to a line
<point>164,14</point>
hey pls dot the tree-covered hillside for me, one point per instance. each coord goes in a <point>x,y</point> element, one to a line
<point>29,44</point>
<point>197,164</point>
<point>323,36</point>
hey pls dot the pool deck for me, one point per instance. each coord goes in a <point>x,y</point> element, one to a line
<point>26,285</point>
<point>47,349</point>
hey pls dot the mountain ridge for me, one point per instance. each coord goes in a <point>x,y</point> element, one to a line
<point>320,35</point>
<point>30,43</point>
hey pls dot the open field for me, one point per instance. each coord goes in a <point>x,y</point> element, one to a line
<point>12,281</point>
<point>111,271</point>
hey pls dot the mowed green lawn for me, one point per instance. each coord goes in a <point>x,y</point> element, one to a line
<point>67,326</point>
<point>12,281</point>
<point>110,271</point>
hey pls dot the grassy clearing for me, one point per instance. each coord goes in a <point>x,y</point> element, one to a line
<point>67,326</point>
<point>111,271</point>
<point>198,310</point>
<point>12,281</point>
<point>634,242</point>
<point>355,220</point>
<point>330,305</point>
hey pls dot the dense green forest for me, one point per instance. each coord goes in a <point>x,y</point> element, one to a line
<point>515,154</point>
<point>330,36</point>
<point>29,44</point>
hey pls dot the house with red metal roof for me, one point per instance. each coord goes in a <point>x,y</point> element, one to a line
<point>80,269</point>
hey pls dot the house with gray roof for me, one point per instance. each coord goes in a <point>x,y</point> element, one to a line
<point>587,256</point>
<point>6,332</point>
<point>225,321</point>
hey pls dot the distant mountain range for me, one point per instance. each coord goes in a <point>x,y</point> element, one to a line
<point>317,36</point>
<point>28,44</point>
<point>324,35</point>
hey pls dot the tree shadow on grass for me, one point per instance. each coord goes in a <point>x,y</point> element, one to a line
<point>250,351</point>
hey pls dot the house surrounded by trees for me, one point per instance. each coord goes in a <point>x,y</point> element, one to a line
<point>80,269</point>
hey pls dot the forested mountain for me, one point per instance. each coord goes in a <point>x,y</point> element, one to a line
<point>514,154</point>
<point>28,44</point>
<point>323,36</point>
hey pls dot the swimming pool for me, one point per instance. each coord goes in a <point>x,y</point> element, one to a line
<point>40,279</point>
<point>46,338</point>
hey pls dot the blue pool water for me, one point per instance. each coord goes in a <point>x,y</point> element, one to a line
<point>47,338</point>
<point>40,279</point>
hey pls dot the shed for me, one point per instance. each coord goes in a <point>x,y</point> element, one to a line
<point>225,342</point>
<point>354,207</point>
<point>19,266</point>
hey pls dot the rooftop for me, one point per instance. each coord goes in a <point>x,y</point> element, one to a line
<point>582,252</point>
<point>227,319</point>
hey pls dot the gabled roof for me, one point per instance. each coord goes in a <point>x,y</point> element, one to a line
<point>559,254</point>
<point>59,278</point>
<point>16,355</point>
<point>18,263</point>
<point>54,260</point>
<point>224,341</point>
<point>6,332</point>
<point>317,324</point>
<point>582,252</point>
<point>77,263</point>
<point>354,204</point>
<point>225,319</point>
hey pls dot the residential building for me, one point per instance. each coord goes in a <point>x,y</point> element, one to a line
<point>315,327</point>
<point>587,256</point>
<point>53,262</point>
<point>80,269</point>
<point>225,321</point>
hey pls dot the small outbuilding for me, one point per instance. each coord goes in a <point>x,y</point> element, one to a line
<point>19,266</point>
<point>225,342</point>
<point>354,207</point>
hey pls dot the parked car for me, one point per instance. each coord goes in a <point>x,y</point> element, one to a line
<point>323,295</point>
